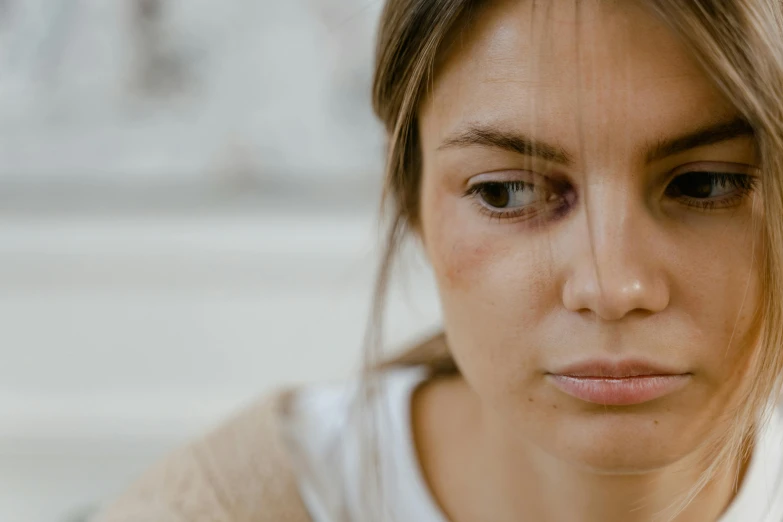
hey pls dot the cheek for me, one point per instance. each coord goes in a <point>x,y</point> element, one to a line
<point>458,259</point>
<point>465,257</point>
<point>495,290</point>
<point>737,302</point>
<point>461,263</point>
<point>469,254</point>
<point>719,289</point>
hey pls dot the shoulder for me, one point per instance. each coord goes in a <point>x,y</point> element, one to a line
<point>330,428</point>
<point>320,418</point>
<point>261,463</point>
<point>319,413</point>
<point>239,472</point>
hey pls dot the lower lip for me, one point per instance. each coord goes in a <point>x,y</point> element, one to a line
<point>623,391</point>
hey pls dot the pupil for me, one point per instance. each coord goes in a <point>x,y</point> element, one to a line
<point>696,185</point>
<point>495,194</point>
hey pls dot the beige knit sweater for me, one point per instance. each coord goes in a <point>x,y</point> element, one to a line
<point>238,473</point>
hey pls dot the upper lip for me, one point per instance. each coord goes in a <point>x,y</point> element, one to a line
<point>616,369</point>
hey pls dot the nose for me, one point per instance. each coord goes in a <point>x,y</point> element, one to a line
<point>615,267</point>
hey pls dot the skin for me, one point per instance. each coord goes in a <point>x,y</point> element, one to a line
<point>615,266</point>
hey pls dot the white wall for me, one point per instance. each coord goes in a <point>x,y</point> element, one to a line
<point>279,87</point>
<point>123,335</point>
<point>168,252</point>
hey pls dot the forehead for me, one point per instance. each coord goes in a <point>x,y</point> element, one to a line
<point>569,67</point>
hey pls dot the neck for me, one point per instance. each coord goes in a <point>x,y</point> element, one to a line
<point>546,488</point>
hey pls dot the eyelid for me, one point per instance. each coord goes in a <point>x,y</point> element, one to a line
<point>505,176</point>
<point>723,167</point>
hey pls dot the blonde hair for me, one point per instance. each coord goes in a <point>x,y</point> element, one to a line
<point>738,44</point>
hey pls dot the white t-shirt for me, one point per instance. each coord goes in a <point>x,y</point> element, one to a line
<point>332,480</point>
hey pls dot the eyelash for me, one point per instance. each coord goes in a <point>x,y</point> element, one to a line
<point>523,212</point>
<point>743,185</point>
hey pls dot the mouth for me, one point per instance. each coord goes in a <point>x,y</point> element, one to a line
<point>618,383</point>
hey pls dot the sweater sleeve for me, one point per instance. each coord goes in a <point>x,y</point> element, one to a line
<point>239,473</point>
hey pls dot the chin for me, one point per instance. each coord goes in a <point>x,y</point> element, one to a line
<point>613,442</point>
<point>620,457</point>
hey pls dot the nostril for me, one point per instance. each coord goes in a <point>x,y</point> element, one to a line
<point>614,296</point>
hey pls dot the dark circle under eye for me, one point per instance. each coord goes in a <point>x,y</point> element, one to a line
<point>495,194</point>
<point>698,185</point>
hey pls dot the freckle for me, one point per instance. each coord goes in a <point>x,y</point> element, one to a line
<point>530,399</point>
<point>656,422</point>
<point>554,406</point>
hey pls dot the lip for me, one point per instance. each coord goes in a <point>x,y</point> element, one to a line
<point>618,383</point>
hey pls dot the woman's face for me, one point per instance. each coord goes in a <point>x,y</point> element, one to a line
<point>588,206</point>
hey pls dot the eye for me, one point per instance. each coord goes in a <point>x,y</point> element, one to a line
<point>710,188</point>
<point>508,195</point>
<point>522,200</point>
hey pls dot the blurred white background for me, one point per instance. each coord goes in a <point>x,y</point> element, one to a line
<point>188,198</point>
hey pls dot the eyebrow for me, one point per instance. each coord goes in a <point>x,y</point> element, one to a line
<point>497,137</point>
<point>708,135</point>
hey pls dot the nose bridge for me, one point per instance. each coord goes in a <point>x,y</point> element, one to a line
<point>612,232</point>
<point>615,268</point>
